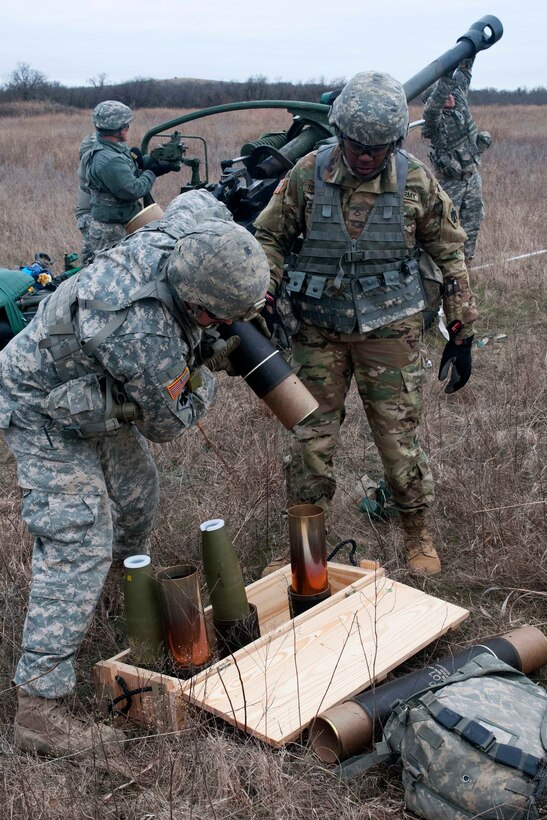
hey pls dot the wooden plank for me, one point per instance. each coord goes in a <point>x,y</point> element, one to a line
<point>269,594</point>
<point>274,687</point>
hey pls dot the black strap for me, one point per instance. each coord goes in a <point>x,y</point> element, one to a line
<point>481,738</point>
<point>127,695</point>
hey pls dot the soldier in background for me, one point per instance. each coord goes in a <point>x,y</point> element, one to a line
<point>456,146</point>
<point>354,289</point>
<point>117,177</point>
<point>83,199</point>
<point>111,360</point>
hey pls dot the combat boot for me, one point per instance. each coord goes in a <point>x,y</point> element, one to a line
<point>420,554</point>
<point>45,726</point>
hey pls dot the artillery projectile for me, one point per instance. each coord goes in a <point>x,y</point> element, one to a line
<point>142,611</point>
<point>235,621</point>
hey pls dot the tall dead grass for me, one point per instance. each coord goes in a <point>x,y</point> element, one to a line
<point>487,448</point>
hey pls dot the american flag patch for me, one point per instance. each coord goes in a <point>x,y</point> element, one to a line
<point>176,387</point>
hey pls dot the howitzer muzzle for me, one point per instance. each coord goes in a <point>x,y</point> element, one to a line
<point>268,374</point>
<point>481,35</point>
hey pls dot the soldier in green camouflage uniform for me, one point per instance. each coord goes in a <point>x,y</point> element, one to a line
<point>105,365</point>
<point>115,181</point>
<point>361,206</point>
<point>456,146</point>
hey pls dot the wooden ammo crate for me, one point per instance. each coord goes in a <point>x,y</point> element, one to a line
<point>299,667</point>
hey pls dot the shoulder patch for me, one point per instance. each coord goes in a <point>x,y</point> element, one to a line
<point>176,387</point>
<point>412,195</point>
<point>280,185</point>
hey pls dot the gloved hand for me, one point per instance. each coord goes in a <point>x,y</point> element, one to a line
<point>456,355</point>
<point>160,168</point>
<point>220,360</point>
<point>136,153</point>
<point>261,323</point>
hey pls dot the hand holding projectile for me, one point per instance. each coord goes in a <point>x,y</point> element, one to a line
<point>220,360</point>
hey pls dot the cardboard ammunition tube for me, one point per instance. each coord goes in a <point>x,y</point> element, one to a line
<point>148,214</point>
<point>336,734</point>
<point>341,732</point>
<point>531,647</point>
<point>233,634</point>
<point>268,374</point>
<point>291,402</point>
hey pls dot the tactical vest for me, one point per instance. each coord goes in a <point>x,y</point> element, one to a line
<point>345,284</point>
<point>105,207</point>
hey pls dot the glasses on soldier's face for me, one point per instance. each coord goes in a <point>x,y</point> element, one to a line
<point>358,149</point>
<point>249,314</point>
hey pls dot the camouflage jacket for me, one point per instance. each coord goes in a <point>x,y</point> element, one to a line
<point>147,356</point>
<point>456,143</point>
<point>83,200</point>
<point>115,182</point>
<point>429,219</point>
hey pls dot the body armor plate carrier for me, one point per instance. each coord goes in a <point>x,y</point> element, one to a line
<point>346,284</point>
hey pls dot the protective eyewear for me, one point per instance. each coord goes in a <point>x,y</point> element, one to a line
<point>249,314</point>
<point>358,148</point>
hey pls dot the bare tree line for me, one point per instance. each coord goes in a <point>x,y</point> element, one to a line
<point>28,84</point>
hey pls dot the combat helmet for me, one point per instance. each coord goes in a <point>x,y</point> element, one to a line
<point>371,109</point>
<point>220,266</point>
<point>111,115</point>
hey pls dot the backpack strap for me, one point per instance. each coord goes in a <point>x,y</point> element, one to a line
<point>358,764</point>
<point>479,737</point>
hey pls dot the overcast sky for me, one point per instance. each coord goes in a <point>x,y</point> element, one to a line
<point>72,41</point>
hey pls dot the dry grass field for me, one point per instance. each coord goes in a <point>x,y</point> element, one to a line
<point>487,448</point>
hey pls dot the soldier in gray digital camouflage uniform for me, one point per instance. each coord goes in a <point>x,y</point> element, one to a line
<point>111,359</point>
<point>113,177</point>
<point>355,291</point>
<point>456,146</point>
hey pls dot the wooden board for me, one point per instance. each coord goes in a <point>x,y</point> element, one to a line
<point>298,668</point>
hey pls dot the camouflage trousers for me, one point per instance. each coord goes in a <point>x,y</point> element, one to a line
<point>86,252</point>
<point>466,196</point>
<point>100,237</point>
<point>388,371</point>
<point>84,500</point>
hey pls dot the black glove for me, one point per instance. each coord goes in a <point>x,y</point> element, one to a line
<point>136,153</point>
<point>457,356</point>
<point>160,168</point>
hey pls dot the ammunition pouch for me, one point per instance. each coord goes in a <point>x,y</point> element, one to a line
<point>89,406</point>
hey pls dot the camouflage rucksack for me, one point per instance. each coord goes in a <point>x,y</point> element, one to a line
<point>473,746</point>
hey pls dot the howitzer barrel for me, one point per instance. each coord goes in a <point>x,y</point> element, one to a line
<point>481,35</point>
